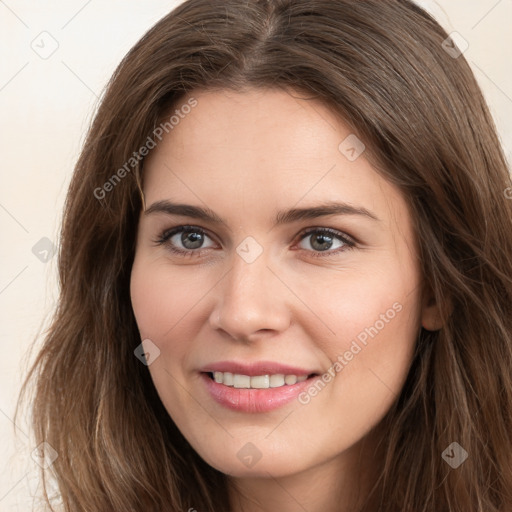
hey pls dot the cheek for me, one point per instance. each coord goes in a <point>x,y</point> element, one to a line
<point>148,303</point>
<point>161,297</point>
<point>376,323</point>
<point>372,305</point>
<point>161,300</point>
<point>373,319</point>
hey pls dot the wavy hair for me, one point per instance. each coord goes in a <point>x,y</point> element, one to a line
<point>383,66</point>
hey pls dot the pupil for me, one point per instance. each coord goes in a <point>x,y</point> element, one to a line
<point>192,240</point>
<point>322,240</point>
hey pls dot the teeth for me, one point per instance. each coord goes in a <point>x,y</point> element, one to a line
<point>241,381</point>
<point>258,381</point>
<point>276,381</point>
<point>290,380</point>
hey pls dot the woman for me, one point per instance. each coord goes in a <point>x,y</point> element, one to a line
<point>285,269</point>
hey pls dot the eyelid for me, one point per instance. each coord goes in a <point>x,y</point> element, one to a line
<point>166,234</point>
<point>348,240</point>
<point>345,237</point>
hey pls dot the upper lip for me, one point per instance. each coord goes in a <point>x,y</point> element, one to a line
<point>256,368</point>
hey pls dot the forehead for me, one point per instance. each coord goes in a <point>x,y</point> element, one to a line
<point>278,121</point>
<point>264,148</point>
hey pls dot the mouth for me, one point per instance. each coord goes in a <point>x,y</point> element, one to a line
<point>240,381</point>
<point>255,393</point>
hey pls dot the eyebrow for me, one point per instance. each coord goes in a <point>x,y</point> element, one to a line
<point>282,217</point>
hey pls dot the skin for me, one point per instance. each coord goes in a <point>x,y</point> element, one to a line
<point>245,156</point>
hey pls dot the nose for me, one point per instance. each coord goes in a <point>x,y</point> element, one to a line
<point>251,301</point>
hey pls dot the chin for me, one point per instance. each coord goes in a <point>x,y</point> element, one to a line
<point>245,459</point>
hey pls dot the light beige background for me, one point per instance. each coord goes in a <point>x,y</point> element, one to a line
<point>46,105</point>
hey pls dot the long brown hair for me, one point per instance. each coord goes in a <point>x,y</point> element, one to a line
<point>383,66</point>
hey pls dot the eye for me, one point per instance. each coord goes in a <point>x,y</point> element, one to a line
<point>323,239</point>
<point>191,239</point>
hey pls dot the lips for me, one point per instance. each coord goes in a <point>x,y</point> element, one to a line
<point>256,368</point>
<point>255,388</point>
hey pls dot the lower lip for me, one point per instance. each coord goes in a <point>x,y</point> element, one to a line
<point>254,400</point>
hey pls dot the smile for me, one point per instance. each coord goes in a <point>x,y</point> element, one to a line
<point>239,381</point>
<point>256,393</point>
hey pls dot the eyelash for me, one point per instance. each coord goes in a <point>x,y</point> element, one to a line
<point>164,239</point>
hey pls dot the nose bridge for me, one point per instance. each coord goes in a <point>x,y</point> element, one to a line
<point>251,297</point>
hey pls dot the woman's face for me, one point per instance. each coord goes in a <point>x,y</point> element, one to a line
<point>308,312</point>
